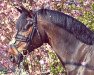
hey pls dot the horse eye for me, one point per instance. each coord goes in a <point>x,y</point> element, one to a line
<point>30,23</point>
<point>27,27</point>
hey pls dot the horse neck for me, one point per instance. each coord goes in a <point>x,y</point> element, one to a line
<point>64,43</point>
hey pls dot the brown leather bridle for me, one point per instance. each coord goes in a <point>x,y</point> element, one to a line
<point>27,39</point>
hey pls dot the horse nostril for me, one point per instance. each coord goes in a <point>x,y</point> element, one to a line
<point>11,56</point>
<point>12,59</point>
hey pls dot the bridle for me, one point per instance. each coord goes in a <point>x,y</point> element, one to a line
<point>28,39</point>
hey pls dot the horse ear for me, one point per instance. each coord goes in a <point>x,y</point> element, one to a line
<point>22,9</point>
<point>19,10</point>
<point>25,10</point>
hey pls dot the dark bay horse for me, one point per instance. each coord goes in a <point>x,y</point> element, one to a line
<point>72,41</point>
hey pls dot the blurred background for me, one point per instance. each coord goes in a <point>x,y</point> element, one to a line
<point>43,61</point>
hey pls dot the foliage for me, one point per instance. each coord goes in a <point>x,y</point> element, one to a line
<point>43,59</point>
<point>83,11</point>
<point>55,64</point>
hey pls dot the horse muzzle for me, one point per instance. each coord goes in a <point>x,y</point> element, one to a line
<point>16,59</point>
<point>15,56</point>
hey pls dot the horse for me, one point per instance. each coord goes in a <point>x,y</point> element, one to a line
<point>72,41</point>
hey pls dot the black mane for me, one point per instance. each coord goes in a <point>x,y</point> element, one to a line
<point>68,23</point>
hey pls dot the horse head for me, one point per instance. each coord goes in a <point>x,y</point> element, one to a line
<point>27,36</point>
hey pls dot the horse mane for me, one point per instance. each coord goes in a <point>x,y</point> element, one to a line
<point>68,23</point>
